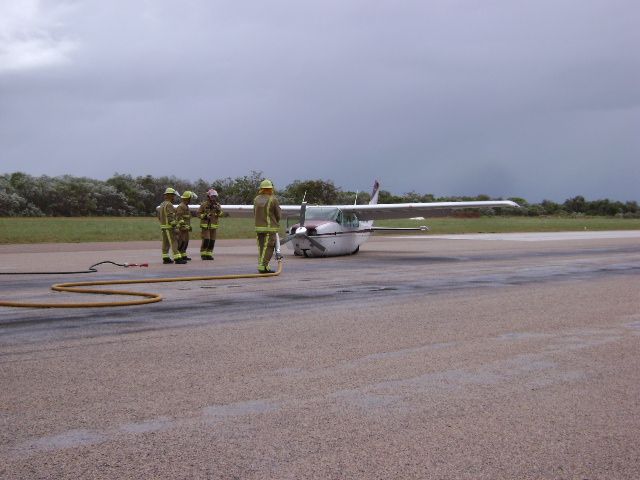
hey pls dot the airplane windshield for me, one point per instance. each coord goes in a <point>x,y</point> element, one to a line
<point>322,213</point>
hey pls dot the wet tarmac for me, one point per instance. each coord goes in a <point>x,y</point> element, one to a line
<point>439,357</point>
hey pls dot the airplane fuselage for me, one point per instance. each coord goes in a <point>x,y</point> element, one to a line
<point>337,239</point>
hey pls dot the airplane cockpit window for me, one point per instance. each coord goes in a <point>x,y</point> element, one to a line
<point>323,213</point>
<point>350,220</point>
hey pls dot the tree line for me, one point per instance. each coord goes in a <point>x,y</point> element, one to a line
<point>23,195</point>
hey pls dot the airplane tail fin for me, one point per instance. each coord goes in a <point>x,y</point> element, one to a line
<point>374,193</point>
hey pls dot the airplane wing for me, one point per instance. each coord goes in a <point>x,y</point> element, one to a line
<point>380,211</point>
<point>409,210</point>
<point>246,211</point>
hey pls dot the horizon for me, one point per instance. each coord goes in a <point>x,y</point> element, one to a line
<point>345,190</point>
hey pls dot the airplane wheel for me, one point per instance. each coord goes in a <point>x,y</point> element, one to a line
<point>356,250</point>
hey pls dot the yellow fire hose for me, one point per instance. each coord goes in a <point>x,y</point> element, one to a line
<point>148,297</point>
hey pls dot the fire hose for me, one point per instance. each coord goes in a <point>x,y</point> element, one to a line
<point>91,269</point>
<point>78,287</point>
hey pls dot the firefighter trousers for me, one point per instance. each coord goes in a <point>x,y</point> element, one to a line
<point>266,245</point>
<point>208,242</point>
<point>169,243</point>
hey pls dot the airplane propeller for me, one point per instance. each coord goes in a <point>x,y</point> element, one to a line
<point>301,231</point>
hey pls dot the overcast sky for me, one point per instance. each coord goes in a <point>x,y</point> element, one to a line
<point>537,98</point>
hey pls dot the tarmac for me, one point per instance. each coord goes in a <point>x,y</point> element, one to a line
<point>421,357</point>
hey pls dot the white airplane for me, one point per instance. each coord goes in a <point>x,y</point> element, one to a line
<point>327,231</point>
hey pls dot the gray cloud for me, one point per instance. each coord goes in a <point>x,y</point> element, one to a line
<point>536,99</point>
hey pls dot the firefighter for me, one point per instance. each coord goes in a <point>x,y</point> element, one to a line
<point>266,210</point>
<point>167,218</point>
<point>209,213</point>
<point>183,218</point>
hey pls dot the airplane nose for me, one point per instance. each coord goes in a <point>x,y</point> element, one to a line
<point>301,231</point>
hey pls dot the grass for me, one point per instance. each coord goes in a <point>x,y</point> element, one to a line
<point>109,229</point>
<point>102,229</point>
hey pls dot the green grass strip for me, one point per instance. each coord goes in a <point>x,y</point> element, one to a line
<point>115,229</point>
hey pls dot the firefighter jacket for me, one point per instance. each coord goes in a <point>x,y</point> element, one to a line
<point>183,217</point>
<point>167,215</point>
<point>266,210</point>
<point>209,213</point>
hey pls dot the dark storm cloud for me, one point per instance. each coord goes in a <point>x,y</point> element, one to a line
<point>536,99</point>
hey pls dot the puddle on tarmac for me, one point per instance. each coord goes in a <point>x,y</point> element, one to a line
<point>393,393</point>
<point>521,336</point>
<point>368,400</point>
<point>70,439</point>
<point>251,407</point>
<point>289,371</point>
<point>147,426</point>
<point>405,352</point>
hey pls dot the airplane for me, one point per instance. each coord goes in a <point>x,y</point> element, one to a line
<point>334,230</point>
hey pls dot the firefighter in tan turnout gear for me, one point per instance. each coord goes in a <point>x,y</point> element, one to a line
<point>209,213</point>
<point>183,218</point>
<point>167,218</point>
<point>266,210</point>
